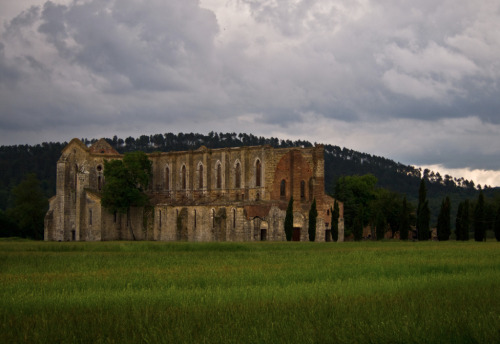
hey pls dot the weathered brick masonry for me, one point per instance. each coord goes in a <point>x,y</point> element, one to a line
<point>229,194</point>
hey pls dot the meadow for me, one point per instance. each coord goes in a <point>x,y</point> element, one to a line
<point>287,292</point>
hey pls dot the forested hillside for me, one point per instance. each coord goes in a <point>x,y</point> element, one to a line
<point>18,161</point>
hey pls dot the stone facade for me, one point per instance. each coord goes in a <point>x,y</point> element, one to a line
<point>229,194</point>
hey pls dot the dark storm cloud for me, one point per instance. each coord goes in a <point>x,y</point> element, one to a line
<point>413,81</point>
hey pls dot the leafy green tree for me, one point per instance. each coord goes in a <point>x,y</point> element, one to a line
<point>444,222</point>
<point>497,225</point>
<point>335,221</point>
<point>404,224</point>
<point>423,213</point>
<point>30,206</point>
<point>380,226</point>
<point>479,219</point>
<point>357,228</point>
<point>289,220</point>
<point>126,182</point>
<point>387,204</point>
<point>313,213</point>
<point>357,193</point>
<point>8,228</point>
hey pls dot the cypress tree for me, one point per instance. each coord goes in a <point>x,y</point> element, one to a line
<point>405,221</point>
<point>479,219</point>
<point>465,221</point>
<point>443,224</point>
<point>458,221</point>
<point>497,225</point>
<point>423,213</point>
<point>289,220</point>
<point>335,221</point>
<point>447,218</point>
<point>313,213</point>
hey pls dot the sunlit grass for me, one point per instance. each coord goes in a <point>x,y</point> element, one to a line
<point>249,292</point>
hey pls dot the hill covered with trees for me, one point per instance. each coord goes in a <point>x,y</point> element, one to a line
<point>17,162</point>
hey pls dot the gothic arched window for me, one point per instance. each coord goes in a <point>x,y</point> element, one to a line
<point>183,177</point>
<point>218,182</point>
<point>283,188</point>
<point>258,168</point>
<point>237,176</point>
<point>167,178</point>
<point>200,177</point>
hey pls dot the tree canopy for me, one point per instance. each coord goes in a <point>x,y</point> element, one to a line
<point>357,193</point>
<point>30,206</point>
<point>126,182</point>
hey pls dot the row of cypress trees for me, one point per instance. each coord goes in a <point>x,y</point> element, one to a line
<point>463,219</point>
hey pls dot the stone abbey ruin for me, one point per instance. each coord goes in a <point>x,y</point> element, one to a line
<point>228,194</point>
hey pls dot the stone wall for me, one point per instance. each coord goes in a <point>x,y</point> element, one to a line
<point>230,194</point>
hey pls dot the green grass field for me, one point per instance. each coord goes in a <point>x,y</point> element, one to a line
<point>149,292</point>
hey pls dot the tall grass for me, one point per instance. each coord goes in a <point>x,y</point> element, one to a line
<point>118,292</point>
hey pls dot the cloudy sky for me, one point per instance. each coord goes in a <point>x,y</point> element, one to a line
<point>413,81</point>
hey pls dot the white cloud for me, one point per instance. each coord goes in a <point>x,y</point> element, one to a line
<point>479,176</point>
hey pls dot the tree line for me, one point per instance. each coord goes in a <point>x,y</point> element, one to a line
<point>389,214</point>
<point>17,162</point>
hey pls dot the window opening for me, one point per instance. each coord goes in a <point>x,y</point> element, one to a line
<point>183,177</point>
<point>257,173</point>
<point>200,177</point>
<point>237,181</point>
<point>283,188</point>
<point>167,178</point>
<point>219,176</point>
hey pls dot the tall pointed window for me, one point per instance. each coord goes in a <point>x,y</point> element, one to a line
<point>183,177</point>
<point>258,173</point>
<point>283,188</point>
<point>200,177</point>
<point>219,176</point>
<point>302,189</point>
<point>237,176</point>
<point>99,177</point>
<point>75,179</point>
<point>167,178</point>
